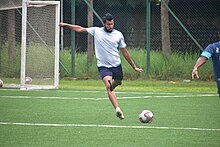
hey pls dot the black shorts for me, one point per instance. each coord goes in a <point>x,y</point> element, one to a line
<point>114,72</point>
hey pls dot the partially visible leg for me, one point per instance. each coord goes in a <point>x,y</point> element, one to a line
<point>115,83</point>
<point>218,85</point>
<point>117,76</point>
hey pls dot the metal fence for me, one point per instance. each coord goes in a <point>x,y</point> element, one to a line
<point>200,17</point>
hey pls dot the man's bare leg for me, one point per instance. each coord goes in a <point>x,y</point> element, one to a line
<point>112,97</point>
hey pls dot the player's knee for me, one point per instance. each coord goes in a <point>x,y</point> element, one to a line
<point>107,87</point>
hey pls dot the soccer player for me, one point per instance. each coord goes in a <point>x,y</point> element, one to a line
<point>108,41</point>
<point>211,51</point>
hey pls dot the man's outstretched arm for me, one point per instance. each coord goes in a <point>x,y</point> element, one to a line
<point>76,28</point>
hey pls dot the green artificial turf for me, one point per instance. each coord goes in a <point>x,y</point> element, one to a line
<point>80,114</point>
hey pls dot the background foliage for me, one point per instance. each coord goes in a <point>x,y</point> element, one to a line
<point>177,67</point>
<point>201,19</point>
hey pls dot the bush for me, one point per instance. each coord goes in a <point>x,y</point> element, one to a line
<point>178,66</point>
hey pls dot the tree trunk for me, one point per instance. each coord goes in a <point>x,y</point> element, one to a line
<point>165,30</point>
<point>90,51</point>
<point>11,35</point>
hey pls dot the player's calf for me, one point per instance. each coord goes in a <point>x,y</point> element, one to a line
<point>115,83</point>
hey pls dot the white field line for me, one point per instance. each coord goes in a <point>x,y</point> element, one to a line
<point>107,126</point>
<point>119,92</point>
<point>104,98</point>
<point>93,91</point>
<point>55,98</point>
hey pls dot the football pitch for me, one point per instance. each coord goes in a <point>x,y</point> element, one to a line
<point>84,116</point>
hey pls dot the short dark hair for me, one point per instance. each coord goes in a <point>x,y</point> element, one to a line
<point>108,17</point>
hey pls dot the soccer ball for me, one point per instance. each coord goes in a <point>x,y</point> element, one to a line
<point>28,80</point>
<point>1,83</point>
<point>146,116</point>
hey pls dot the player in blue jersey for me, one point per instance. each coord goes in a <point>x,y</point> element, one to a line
<point>212,51</point>
<point>108,41</point>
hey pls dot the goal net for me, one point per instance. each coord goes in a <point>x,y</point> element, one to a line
<point>35,63</point>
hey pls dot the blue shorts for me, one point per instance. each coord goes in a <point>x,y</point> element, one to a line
<point>114,72</point>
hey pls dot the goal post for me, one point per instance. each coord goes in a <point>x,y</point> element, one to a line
<point>40,45</point>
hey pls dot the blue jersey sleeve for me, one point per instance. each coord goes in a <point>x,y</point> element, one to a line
<point>208,52</point>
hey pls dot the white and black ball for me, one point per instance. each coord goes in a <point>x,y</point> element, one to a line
<point>146,116</point>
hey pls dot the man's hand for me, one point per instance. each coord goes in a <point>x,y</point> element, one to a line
<point>195,72</point>
<point>138,69</point>
<point>62,24</point>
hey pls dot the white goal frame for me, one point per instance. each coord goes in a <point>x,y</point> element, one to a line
<point>25,5</point>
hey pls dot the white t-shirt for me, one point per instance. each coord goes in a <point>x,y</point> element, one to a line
<point>106,46</point>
